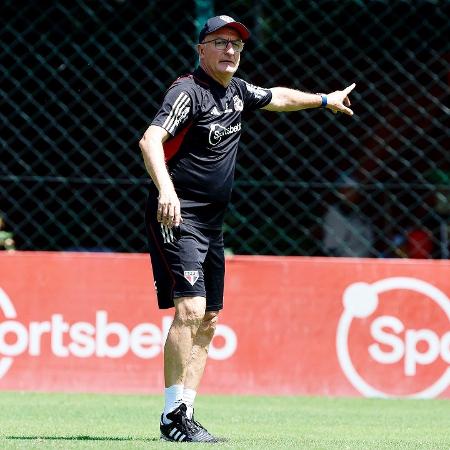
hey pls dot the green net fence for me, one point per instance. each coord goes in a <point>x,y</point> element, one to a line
<point>81,81</point>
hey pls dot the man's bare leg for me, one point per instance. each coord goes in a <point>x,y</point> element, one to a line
<point>189,313</point>
<point>199,353</point>
<point>198,357</point>
<point>185,355</point>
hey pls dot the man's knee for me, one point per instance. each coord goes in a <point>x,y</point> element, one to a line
<point>208,325</point>
<point>190,310</point>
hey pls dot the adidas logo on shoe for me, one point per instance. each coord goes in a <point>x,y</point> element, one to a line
<point>182,429</point>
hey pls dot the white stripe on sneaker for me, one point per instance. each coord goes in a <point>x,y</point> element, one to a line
<point>177,435</point>
<point>173,432</point>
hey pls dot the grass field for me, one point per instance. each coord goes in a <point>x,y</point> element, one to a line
<point>85,421</point>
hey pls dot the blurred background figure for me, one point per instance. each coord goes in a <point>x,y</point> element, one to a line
<point>6,237</point>
<point>346,229</point>
<point>419,244</point>
<point>437,221</point>
<point>425,234</point>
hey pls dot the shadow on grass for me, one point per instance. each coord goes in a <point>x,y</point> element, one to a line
<point>81,438</point>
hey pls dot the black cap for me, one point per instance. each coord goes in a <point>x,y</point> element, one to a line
<point>215,23</point>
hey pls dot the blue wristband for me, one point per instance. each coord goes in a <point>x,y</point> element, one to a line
<point>324,101</point>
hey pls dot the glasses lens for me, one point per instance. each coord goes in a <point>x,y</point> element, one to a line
<point>237,46</point>
<point>222,44</point>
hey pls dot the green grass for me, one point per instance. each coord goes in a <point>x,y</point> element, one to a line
<point>85,421</point>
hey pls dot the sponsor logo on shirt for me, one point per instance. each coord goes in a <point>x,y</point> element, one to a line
<point>216,132</point>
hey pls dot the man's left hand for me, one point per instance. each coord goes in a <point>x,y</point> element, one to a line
<point>338,101</point>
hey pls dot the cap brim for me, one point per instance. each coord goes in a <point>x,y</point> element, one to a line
<point>239,27</point>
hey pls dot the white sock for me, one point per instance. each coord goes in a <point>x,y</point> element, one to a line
<point>188,400</point>
<point>172,396</point>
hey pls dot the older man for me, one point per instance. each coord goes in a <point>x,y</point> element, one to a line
<point>189,151</point>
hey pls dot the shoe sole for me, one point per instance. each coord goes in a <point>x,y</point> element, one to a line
<point>166,439</point>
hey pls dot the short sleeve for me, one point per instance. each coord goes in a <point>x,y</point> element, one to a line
<point>255,97</point>
<point>176,109</point>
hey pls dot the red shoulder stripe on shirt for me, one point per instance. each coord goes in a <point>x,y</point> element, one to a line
<point>188,75</point>
<point>172,145</point>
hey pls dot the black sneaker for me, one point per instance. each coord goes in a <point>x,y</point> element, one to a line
<point>182,429</point>
<point>200,426</point>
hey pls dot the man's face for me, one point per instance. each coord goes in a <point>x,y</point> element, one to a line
<point>216,61</point>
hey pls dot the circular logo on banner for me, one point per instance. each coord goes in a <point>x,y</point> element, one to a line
<point>393,338</point>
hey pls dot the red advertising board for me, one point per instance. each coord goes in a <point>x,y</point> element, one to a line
<point>291,325</point>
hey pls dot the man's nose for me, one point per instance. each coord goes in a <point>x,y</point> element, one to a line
<point>230,49</point>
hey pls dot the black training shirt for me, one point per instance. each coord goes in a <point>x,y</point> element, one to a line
<point>204,121</point>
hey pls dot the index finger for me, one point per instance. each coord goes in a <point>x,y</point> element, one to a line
<point>177,217</point>
<point>173,217</point>
<point>349,89</point>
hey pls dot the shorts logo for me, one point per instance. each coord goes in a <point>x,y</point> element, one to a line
<point>167,234</point>
<point>191,276</point>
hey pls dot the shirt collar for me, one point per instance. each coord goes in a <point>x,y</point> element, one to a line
<point>201,75</point>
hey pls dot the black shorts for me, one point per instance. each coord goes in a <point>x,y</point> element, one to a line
<point>187,261</point>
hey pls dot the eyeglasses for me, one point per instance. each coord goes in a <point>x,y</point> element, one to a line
<point>222,44</point>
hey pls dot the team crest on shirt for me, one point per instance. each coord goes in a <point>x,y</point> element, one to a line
<point>238,105</point>
<point>191,276</point>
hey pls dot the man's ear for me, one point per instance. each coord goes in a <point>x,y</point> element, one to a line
<point>200,50</point>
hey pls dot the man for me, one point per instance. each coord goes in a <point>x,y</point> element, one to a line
<point>346,229</point>
<point>189,151</point>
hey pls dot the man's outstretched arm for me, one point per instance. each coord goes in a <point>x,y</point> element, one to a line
<point>285,99</point>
